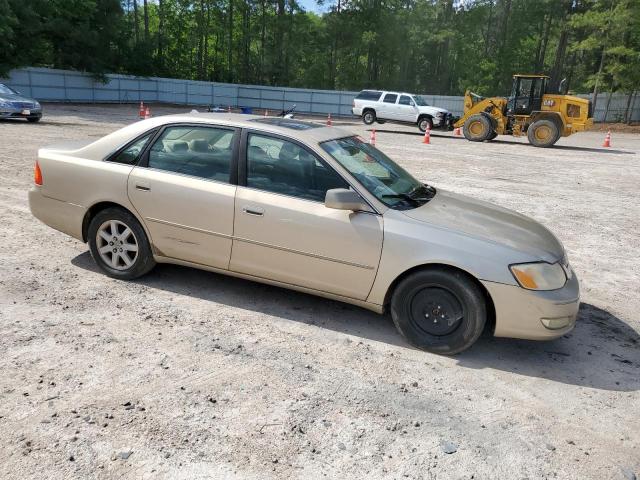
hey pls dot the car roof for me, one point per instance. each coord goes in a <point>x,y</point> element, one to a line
<point>390,91</point>
<point>305,131</point>
<point>301,129</point>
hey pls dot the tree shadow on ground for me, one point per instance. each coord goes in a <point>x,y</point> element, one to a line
<point>602,352</point>
<point>507,142</point>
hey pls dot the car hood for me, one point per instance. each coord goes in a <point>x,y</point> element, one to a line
<point>8,97</point>
<point>489,222</point>
<point>432,110</point>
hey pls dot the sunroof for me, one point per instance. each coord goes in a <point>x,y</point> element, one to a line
<point>287,123</point>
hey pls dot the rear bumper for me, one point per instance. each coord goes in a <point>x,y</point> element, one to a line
<point>356,111</point>
<point>534,315</point>
<point>63,216</point>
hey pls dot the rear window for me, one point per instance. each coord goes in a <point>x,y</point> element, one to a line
<point>369,95</point>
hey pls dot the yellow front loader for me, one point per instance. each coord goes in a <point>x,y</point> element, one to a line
<point>544,117</point>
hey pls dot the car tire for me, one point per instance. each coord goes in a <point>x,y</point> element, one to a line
<point>33,119</point>
<point>369,117</point>
<point>439,310</point>
<point>119,244</point>
<point>423,122</point>
<point>543,133</point>
<point>477,128</point>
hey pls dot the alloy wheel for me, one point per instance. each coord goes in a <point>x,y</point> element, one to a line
<point>117,244</point>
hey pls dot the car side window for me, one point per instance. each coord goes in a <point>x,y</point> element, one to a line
<point>390,98</point>
<point>279,166</point>
<point>405,100</point>
<point>131,153</point>
<point>204,152</point>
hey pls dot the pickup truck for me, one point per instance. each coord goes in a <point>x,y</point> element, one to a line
<point>406,108</point>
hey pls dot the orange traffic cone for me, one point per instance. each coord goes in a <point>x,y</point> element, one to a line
<point>427,136</point>
<point>141,110</point>
<point>456,132</point>
<point>607,140</point>
<point>329,120</point>
<point>147,113</point>
<point>372,139</point>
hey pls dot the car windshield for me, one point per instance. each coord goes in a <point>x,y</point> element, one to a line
<point>420,101</point>
<point>380,175</point>
<point>6,90</point>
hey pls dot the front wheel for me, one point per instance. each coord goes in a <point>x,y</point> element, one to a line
<point>119,244</point>
<point>33,119</point>
<point>440,311</point>
<point>425,122</point>
<point>477,128</point>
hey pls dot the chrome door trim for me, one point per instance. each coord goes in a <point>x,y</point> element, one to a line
<point>300,252</point>
<point>186,227</point>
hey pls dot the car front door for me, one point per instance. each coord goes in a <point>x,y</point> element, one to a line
<point>406,109</point>
<point>283,231</point>
<point>184,191</point>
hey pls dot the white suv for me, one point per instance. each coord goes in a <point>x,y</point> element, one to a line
<point>381,106</point>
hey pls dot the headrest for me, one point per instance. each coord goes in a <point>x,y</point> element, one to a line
<point>179,146</point>
<point>288,151</point>
<point>199,145</point>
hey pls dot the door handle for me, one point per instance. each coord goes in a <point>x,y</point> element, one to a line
<point>143,186</point>
<point>256,211</point>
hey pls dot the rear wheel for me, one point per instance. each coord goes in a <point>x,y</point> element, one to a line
<point>424,122</point>
<point>543,133</point>
<point>368,117</point>
<point>492,135</point>
<point>477,128</point>
<point>440,311</point>
<point>33,119</point>
<point>119,245</point>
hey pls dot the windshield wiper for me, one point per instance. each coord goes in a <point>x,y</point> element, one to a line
<point>404,196</point>
<point>427,192</point>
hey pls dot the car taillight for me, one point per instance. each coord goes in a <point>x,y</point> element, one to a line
<point>37,174</point>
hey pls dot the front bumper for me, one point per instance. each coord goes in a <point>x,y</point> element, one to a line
<point>20,112</point>
<point>445,123</point>
<point>534,315</point>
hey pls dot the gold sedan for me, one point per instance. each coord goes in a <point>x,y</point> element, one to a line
<point>311,208</point>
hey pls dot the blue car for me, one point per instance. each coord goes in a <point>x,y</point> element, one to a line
<point>15,105</point>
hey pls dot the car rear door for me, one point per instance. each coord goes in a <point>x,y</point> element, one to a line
<point>184,190</point>
<point>388,106</point>
<point>283,231</point>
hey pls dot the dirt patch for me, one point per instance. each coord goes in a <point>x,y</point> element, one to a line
<point>617,127</point>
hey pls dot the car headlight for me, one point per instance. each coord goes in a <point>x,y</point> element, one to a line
<point>539,276</point>
<point>36,104</point>
<point>4,104</point>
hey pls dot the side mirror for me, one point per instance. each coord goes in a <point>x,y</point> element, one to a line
<point>344,199</point>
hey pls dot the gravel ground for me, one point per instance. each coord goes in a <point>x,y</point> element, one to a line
<point>186,374</point>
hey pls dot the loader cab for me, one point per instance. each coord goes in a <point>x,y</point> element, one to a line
<point>526,94</point>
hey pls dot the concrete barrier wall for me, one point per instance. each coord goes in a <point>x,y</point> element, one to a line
<point>50,85</point>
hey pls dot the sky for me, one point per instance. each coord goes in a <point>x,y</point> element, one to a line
<point>312,6</point>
